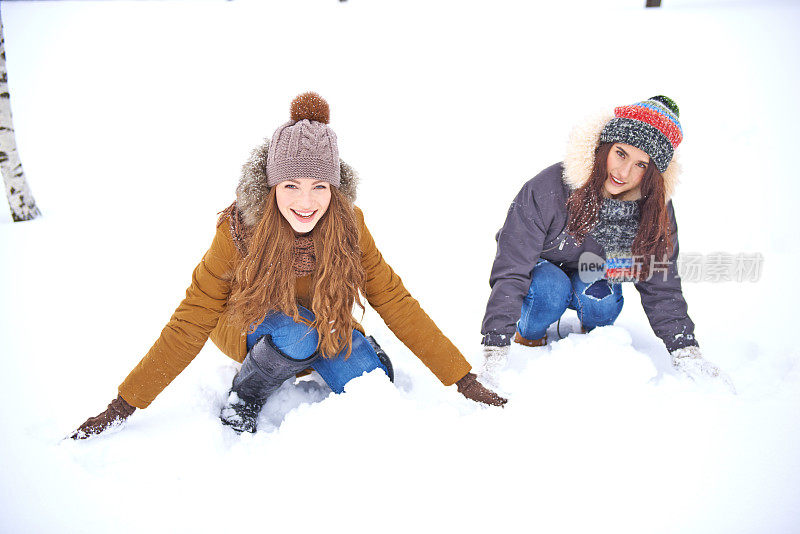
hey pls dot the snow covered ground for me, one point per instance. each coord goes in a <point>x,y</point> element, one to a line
<point>132,121</point>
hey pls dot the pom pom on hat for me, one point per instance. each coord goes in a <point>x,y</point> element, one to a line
<point>310,106</point>
<point>667,101</point>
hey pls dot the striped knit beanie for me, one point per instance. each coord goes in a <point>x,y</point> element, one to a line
<point>651,126</point>
<point>304,147</point>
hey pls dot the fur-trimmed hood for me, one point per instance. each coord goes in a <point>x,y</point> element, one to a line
<point>253,188</point>
<point>583,142</point>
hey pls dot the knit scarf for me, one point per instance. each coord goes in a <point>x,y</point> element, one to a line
<point>304,260</point>
<point>617,224</point>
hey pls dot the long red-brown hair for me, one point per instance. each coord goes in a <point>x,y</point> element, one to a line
<point>264,280</point>
<point>653,240</point>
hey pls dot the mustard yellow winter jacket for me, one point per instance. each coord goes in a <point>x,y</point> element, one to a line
<point>198,318</point>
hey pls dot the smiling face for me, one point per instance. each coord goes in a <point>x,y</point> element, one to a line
<point>625,168</point>
<point>303,202</point>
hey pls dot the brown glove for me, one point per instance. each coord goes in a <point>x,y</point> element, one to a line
<point>474,390</point>
<point>118,410</point>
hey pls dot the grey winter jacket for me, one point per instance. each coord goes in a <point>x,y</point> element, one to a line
<point>535,228</point>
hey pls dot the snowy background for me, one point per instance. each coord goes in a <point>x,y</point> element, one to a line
<point>132,121</point>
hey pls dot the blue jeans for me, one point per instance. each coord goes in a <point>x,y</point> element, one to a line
<point>299,341</point>
<point>552,291</point>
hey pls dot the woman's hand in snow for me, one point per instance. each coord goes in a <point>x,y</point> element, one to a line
<point>690,362</point>
<point>474,390</point>
<point>118,410</point>
<point>495,360</point>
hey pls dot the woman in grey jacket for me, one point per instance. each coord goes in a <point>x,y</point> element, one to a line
<point>581,227</point>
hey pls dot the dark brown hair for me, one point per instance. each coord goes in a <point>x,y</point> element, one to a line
<point>653,240</point>
<point>264,280</point>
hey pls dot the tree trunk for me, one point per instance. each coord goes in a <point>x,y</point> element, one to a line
<point>20,199</point>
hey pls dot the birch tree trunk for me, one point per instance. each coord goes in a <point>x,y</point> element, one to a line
<point>20,199</point>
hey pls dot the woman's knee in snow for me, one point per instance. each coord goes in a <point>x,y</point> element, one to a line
<point>363,358</point>
<point>297,340</point>
<point>600,303</point>
<point>550,287</point>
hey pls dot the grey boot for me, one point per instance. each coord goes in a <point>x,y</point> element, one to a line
<point>263,371</point>
<point>240,414</point>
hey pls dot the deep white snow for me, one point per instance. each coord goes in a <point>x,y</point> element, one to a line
<point>132,121</point>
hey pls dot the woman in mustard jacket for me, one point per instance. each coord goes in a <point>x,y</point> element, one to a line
<point>290,259</point>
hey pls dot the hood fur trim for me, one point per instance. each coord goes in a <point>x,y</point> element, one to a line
<point>252,189</point>
<point>579,159</point>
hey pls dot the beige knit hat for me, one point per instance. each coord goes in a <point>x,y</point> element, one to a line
<point>304,147</point>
